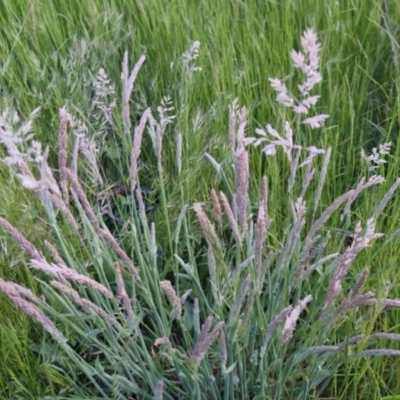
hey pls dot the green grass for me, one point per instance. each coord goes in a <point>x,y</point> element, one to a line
<point>25,374</point>
<point>50,53</point>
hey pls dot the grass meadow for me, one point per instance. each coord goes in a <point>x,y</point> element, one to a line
<point>166,255</point>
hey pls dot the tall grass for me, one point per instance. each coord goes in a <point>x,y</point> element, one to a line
<point>56,59</point>
<point>133,313</point>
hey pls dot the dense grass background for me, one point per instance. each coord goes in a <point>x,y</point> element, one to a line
<point>51,50</point>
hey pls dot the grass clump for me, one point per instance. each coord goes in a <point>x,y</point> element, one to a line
<point>219,305</point>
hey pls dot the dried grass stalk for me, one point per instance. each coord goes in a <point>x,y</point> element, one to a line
<point>205,340</point>
<point>348,304</point>
<point>242,187</point>
<point>373,180</point>
<point>181,216</point>
<point>55,270</point>
<point>83,199</point>
<point>212,269</point>
<point>241,171</point>
<point>375,353</point>
<point>75,155</point>
<point>261,230</point>
<point>127,87</point>
<point>121,291</point>
<point>247,312</point>
<point>21,241</point>
<point>322,177</point>
<point>241,294</point>
<point>208,229</point>
<point>264,194</point>
<point>93,219</point>
<point>231,219</point>
<point>348,196</point>
<point>15,155</point>
<point>217,208</point>
<point>137,143</point>
<point>273,327</point>
<point>58,260</point>
<point>309,175</point>
<point>196,316</point>
<point>212,266</point>
<point>233,108</point>
<point>62,152</point>
<point>141,206</point>
<point>291,320</point>
<point>13,289</point>
<point>172,298</point>
<point>386,199</point>
<point>360,283</point>
<point>54,253</point>
<point>40,317</point>
<point>86,305</point>
<point>391,303</point>
<point>30,309</point>
<point>359,243</point>
<point>59,204</point>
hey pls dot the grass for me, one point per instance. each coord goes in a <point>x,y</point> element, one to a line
<point>51,53</point>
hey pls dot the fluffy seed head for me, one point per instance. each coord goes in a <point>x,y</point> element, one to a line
<point>172,298</point>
